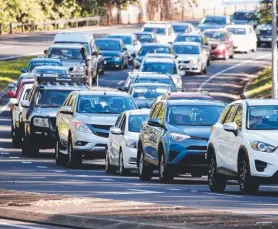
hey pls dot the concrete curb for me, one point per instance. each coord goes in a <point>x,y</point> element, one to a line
<point>76,221</point>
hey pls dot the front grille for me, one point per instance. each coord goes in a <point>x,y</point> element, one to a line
<point>101,130</point>
<point>53,122</point>
<point>201,148</point>
<point>266,32</point>
<point>194,159</point>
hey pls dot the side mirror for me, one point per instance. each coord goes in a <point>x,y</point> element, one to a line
<point>94,53</point>
<point>25,103</point>
<point>155,122</point>
<point>11,94</point>
<point>14,101</point>
<point>116,130</point>
<point>231,127</point>
<point>23,70</point>
<point>66,110</point>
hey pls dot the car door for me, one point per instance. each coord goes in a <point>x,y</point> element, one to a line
<point>69,117</point>
<point>148,136</point>
<point>118,139</point>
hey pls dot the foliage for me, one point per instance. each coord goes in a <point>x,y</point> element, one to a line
<point>265,12</point>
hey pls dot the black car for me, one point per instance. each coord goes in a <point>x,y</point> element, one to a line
<point>114,52</point>
<point>39,116</point>
<point>35,62</point>
<point>151,48</point>
<point>174,138</point>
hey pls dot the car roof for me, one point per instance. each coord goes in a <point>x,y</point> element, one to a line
<point>158,60</point>
<point>258,102</point>
<point>73,45</point>
<point>27,86</point>
<point>72,36</point>
<point>149,85</point>
<point>195,102</point>
<point>216,16</point>
<point>187,95</point>
<point>180,23</point>
<point>108,39</point>
<point>51,67</point>
<point>160,55</point>
<point>156,45</point>
<point>187,43</point>
<point>147,33</point>
<point>45,60</point>
<point>104,92</point>
<point>215,30</point>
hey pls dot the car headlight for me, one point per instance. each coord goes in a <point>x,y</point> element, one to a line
<point>79,68</point>
<point>82,127</point>
<point>117,58</point>
<point>41,122</point>
<point>194,61</point>
<point>263,147</point>
<point>131,143</point>
<point>179,137</point>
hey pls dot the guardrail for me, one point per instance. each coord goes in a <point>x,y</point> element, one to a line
<point>42,26</point>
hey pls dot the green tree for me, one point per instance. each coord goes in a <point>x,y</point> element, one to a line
<point>265,12</point>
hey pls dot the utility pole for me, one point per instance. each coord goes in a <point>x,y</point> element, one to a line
<point>274,51</point>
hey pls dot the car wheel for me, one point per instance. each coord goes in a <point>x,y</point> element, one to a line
<point>74,158</point>
<point>233,55</point>
<point>16,140</point>
<point>246,183</point>
<point>145,172</point>
<point>110,169</point>
<point>122,169</point>
<point>59,158</point>
<point>165,173</point>
<point>196,174</point>
<point>216,181</point>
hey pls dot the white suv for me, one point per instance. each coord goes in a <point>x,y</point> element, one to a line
<point>243,146</point>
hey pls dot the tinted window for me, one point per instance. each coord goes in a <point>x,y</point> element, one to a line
<point>108,45</point>
<point>156,80</point>
<point>145,38</point>
<point>34,64</point>
<point>155,111</point>
<point>159,31</point>
<point>215,35</point>
<point>123,123</point>
<point>224,114</point>
<point>194,115</point>
<point>26,95</point>
<point>186,49</point>
<point>197,39</point>
<point>262,118</point>
<point>52,98</point>
<point>135,122</point>
<point>215,20</point>
<point>65,53</point>
<point>125,39</point>
<point>153,49</point>
<point>243,16</point>
<point>161,113</point>
<point>237,31</point>
<point>180,28</point>
<point>159,68</point>
<point>104,104</point>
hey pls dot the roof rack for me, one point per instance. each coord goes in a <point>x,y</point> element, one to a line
<point>46,79</point>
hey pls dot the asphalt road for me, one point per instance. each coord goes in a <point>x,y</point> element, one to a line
<point>225,80</point>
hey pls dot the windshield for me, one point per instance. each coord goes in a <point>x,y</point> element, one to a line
<point>262,118</point>
<point>34,64</point>
<point>215,20</point>
<point>237,31</point>
<point>243,16</point>
<point>186,49</point>
<point>126,39</point>
<point>194,115</point>
<point>180,28</point>
<point>197,39</point>
<point>50,71</point>
<point>156,80</point>
<point>162,68</point>
<point>158,31</point>
<point>104,104</point>
<point>108,45</point>
<point>65,53</point>
<point>135,122</point>
<point>150,92</point>
<point>153,49</point>
<point>87,46</point>
<point>215,35</point>
<point>52,98</point>
<point>145,38</point>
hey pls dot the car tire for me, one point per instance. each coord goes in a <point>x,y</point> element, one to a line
<point>102,70</point>
<point>74,158</point>
<point>16,140</point>
<point>196,174</point>
<point>145,172</point>
<point>216,181</point>
<point>122,170</point>
<point>28,148</point>
<point>247,184</point>
<point>166,175</point>
<point>59,157</point>
<point>110,169</point>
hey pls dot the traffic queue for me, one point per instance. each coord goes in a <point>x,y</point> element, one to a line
<point>150,123</point>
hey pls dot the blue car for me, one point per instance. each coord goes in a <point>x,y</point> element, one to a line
<point>174,138</point>
<point>114,52</point>
<point>36,62</point>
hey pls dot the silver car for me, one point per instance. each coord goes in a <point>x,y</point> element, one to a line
<point>83,124</point>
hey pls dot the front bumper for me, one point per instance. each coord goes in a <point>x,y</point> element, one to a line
<point>130,157</point>
<point>189,67</point>
<point>265,39</point>
<point>112,63</point>
<point>215,54</point>
<point>44,138</point>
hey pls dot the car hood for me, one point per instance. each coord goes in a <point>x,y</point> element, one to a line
<point>266,136</point>
<point>202,132</point>
<point>98,119</point>
<point>108,53</point>
<point>144,103</point>
<point>188,57</point>
<point>71,63</point>
<point>45,112</point>
<point>210,26</point>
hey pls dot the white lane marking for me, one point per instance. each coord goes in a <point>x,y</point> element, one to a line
<point>173,189</point>
<point>1,148</point>
<point>228,69</point>
<point>14,157</point>
<point>6,46</point>
<point>4,153</point>
<point>42,167</point>
<point>193,190</point>
<point>58,171</point>
<point>20,226</point>
<point>120,82</point>
<point>82,175</point>
<point>5,108</point>
<point>141,191</point>
<point>26,162</point>
<point>218,194</point>
<point>107,179</point>
<point>129,192</point>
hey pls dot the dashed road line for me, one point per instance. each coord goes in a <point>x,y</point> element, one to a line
<point>42,167</point>
<point>26,162</point>
<point>107,179</point>
<point>173,189</point>
<point>218,194</point>
<point>58,171</point>
<point>14,157</point>
<point>5,153</point>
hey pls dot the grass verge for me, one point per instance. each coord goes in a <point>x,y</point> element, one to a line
<point>261,87</point>
<point>10,70</point>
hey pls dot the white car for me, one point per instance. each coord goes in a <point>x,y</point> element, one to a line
<point>16,130</point>
<point>122,142</point>
<point>191,57</point>
<point>244,37</point>
<point>243,146</point>
<point>164,32</point>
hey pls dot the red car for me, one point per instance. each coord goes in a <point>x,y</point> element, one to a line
<point>222,46</point>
